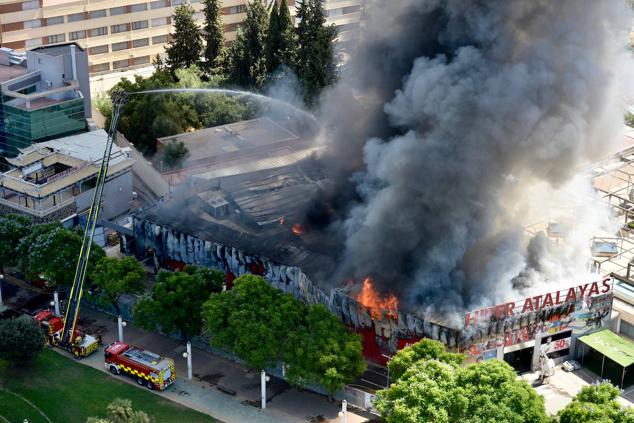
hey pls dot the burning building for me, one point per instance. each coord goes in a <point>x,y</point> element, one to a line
<point>251,223</point>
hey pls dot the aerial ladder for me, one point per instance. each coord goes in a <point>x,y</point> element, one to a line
<point>69,338</point>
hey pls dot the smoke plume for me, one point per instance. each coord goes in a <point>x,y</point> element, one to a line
<point>452,120</point>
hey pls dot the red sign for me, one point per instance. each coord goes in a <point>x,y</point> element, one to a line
<point>538,302</point>
<point>558,345</point>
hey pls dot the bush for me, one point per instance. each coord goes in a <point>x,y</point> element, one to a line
<point>20,340</point>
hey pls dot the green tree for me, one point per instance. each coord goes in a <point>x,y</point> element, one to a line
<point>315,62</point>
<point>214,37</point>
<point>114,277</point>
<point>176,301</point>
<point>12,229</point>
<point>434,390</point>
<point>148,117</point>
<point>174,154</point>
<point>596,403</point>
<point>52,251</point>
<point>264,326</point>
<point>20,340</point>
<point>425,349</point>
<point>186,46</point>
<point>247,65</point>
<point>252,320</point>
<point>121,411</point>
<point>280,39</point>
<point>323,351</point>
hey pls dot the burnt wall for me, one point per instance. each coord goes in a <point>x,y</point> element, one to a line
<point>381,335</point>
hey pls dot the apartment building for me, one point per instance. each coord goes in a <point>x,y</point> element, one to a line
<point>126,34</point>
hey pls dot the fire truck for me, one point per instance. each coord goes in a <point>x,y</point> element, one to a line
<point>149,369</point>
<point>52,325</point>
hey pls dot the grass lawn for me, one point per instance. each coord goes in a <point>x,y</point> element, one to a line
<point>58,389</point>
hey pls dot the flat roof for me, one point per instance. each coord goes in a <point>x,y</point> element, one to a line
<point>611,345</point>
<point>82,153</point>
<point>233,139</point>
<point>8,73</point>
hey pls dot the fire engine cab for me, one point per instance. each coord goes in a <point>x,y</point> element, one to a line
<point>147,368</point>
<point>52,325</point>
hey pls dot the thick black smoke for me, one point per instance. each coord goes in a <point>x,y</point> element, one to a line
<point>448,109</point>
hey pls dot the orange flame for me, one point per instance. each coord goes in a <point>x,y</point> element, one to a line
<point>373,301</point>
<point>297,229</point>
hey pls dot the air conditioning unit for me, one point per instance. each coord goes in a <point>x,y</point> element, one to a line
<point>48,84</point>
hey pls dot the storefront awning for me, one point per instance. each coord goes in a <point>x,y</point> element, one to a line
<point>611,345</point>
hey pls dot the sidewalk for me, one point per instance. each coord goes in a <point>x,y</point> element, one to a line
<point>284,403</point>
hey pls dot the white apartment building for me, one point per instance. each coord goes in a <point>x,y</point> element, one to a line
<point>126,34</point>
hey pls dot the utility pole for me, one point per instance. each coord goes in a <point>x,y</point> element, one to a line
<point>188,356</point>
<point>343,414</point>
<point>121,324</point>
<point>56,302</point>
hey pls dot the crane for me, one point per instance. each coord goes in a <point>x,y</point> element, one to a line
<point>119,99</point>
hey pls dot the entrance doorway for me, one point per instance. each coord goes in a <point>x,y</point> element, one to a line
<point>520,360</point>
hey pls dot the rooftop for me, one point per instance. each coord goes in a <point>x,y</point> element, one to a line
<point>9,72</point>
<point>256,213</point>
<point>73,159</point>
<point>236,148</point>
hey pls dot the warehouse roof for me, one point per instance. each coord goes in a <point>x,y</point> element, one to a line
<point>611,345</point>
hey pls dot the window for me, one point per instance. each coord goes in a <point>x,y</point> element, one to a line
<point>194,1</point>
<point>114,29</point>
<point>232,27</point>
<point>118,10</point>
<point>118,64</point>
<point>120,46</point>
<point>159,39</point>
<point>33,42</point>
<point>142,60</point>
<point>141,42</point>
<point>99,49</point>
<point>30,5</point>
<point>52,39</point>
<point>55,20</point>
<point>139,7</point>
<point>96,32</point>
<point>351,9</point>
<point>76,17</point>
<point>35,23</point>
<point>160,21</point>
<point>139,24</point>
<point>178,2</point>
<point>158,4</point>
<point>101,13</point>
<point>241,8</point>
<point>101,67</point>
<point>76,35</point>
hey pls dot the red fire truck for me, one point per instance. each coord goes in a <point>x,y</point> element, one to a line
<point>147,368</point>
<point>52,325</point>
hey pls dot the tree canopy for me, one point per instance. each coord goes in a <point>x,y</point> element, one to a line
<point>20,340</point>
<point>214,37</point>
<point>425,349</point>
<point>51,251</point>
<point>176,301</point>
<point>315,61</point>
<point>148,117</point>
<point>114,277</point>
<point>596,404</point>
<point>247,61</point>
<point>264,326</point>
<point>435,388</point>
<point>12,229</point>
<point>185,48</point>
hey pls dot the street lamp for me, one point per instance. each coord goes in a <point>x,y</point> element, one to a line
<point>188,356</point>
<point>343,414</point>
<point>121,324</point>
<point>263,379</point>
<point>55,302</point>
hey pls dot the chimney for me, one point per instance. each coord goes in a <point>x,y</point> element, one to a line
<point>73,60</point>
